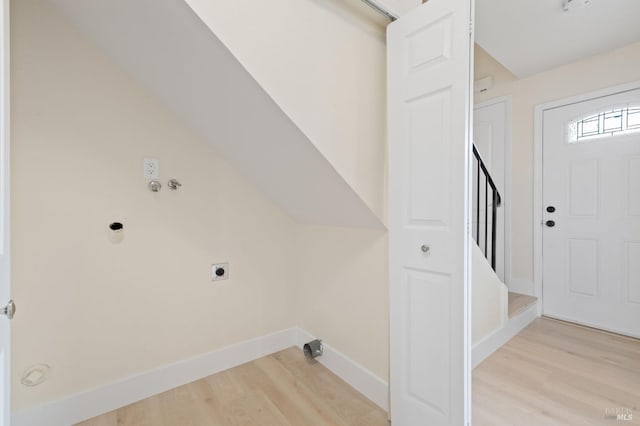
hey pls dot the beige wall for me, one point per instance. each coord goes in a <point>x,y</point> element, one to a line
<point>609,69</point>
<point>341,292</point>
<point>323,62</point>
<point>488,298</point>
<point>98,312</point>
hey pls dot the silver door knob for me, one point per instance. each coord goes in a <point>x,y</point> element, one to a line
<point>9,310</point>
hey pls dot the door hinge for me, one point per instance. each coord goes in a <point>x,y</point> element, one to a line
<point>470,27</point>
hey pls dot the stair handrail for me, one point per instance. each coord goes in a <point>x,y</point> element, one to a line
<point>478,157</point>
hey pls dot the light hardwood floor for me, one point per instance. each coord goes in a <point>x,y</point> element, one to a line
<point>280,389</point>
<point>556,373</point>
<point>552,373</point>
<point>519,302</point>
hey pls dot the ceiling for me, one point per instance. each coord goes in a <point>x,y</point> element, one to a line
<point>531,36</point>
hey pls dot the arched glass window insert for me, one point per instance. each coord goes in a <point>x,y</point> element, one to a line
<point>610,122</point>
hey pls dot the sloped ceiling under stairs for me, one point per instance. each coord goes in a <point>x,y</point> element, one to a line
<point>176,57</point>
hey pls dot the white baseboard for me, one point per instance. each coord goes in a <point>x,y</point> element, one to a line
<point>93,402</point>
<point>484,348</point>
<point>363,380</point>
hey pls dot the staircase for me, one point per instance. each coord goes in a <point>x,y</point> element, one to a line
<point>497,314</point>
<point>490,295</point>
<point>486,200</point>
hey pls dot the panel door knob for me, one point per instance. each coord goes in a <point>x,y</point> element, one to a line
<point>550,223</point>
<point>9,310</point>
<point>425,248</point>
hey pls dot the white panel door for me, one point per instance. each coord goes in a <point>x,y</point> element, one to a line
<point>591,211</point>
<point>429,81</point>
<point>5,338</point>
<point>489,136</point>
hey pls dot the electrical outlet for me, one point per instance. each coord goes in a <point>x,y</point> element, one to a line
<point>220,271</point>
<point>150,168</point>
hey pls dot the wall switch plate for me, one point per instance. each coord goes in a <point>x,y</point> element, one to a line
<point>150,168</point>
<point>220,271</point>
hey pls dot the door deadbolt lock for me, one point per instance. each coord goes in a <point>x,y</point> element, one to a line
<point>551,209</point>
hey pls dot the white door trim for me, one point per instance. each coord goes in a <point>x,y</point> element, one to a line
<point>506,197</point>
<point>5,188</point>
<point>537,171</point>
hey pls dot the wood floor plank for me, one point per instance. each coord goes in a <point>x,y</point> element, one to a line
<point>344,400</point>
<point>267,375</point>
<point>283,389</point>
<point>552,373</point>
<point>519,302</point>
<point>558,373</point>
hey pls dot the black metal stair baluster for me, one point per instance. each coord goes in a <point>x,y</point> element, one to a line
<point>496,202</point>
<point>494,219</point>
<point>477,199</point>
<point>486,214</point>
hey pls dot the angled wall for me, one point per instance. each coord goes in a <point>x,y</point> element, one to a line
<point>98,312</point>
<point>174,55</point>
<point>324,63</point>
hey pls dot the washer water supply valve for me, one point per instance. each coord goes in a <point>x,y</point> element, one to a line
<point>174,184</point>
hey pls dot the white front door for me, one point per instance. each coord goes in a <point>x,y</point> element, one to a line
<point>591,212</point>
<point>5,338</point>
<point>429,81</point>
<point>490,137</point>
